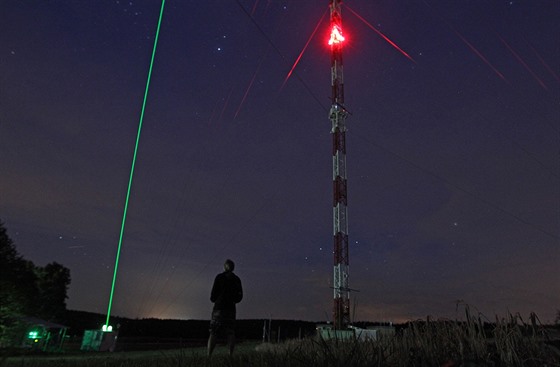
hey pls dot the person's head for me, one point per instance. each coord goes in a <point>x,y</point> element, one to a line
<point>229,265</point>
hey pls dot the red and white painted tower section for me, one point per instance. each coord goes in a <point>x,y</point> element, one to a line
<point>341,311</point>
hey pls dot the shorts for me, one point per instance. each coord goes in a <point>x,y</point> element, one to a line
<point>222,323</point>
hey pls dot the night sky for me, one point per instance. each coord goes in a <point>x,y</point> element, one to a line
<point>453,157</point>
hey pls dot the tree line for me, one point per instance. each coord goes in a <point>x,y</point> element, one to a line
<point>153,328</point>
<point>28,290</point>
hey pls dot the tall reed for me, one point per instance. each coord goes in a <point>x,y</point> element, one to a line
<point>474,341</point>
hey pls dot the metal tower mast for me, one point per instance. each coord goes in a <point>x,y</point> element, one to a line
<point>337,115</point>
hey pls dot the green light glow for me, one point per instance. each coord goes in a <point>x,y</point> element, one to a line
<point>133,164</point>
<point>107,328</point>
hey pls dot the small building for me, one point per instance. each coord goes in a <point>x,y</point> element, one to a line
<point>327,332</point>
<point>373,333</point>
<point>43,335</point>
<point>99,340</point>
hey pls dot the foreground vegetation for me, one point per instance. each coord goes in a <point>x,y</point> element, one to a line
<point>508,341</point>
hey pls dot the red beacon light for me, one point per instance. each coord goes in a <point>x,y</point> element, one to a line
<point>336,35</point>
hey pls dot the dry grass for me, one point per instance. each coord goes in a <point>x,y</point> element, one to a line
<point>509,341</point>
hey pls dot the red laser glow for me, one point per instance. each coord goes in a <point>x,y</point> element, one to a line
<point>303,50</point>
<point>522,62</point>
<point>249,87</point>
<point>381,34</point>
<point>254,7</point>
<point>336,35</point>
<point>544,62</point>
<point>245,95</point>
<point>477,53</point>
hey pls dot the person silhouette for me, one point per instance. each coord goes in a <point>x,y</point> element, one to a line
<point>226,292</point>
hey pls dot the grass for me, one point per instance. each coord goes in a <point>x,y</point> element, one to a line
<point>508,341</point>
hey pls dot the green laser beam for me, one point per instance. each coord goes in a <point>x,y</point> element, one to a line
<point>133,164</point>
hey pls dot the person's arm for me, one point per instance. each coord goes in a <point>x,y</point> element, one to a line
<point>215,291</point>
<point>239,295</point>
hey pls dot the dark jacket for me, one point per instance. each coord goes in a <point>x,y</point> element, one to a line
<point>226,291</point>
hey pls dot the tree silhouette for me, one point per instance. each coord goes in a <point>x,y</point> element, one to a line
<point>52,281</point>
<point>18,282</point>
<point>28,290</point>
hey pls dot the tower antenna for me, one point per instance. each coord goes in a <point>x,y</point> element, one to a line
<point>337,115</point>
